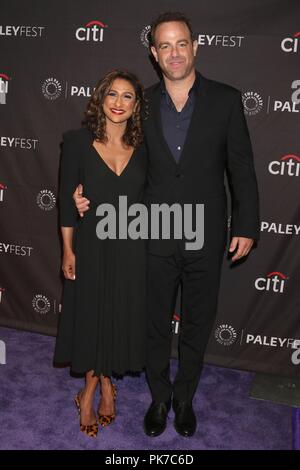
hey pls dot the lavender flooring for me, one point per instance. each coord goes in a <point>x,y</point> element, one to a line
<point>37,411</point>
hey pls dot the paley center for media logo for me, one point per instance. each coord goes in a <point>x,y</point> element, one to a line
<point>279,228</point>
<point>51,88</point>
<point>3,87</point>
<point>225,334</point>
<point>221,40</point>
<point>274,282</point>
<point>283,105</point>
<point>42,305</point>
<point>287,165</point>
<point>145,35</point>
<point>92,31</point>
<point>271,341</point>
<point>291,44</point>
<point>253,102</point>
<point>46,200</point>
<point>2,189</point>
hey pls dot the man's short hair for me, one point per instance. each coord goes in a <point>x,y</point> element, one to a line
<point>166,18</point>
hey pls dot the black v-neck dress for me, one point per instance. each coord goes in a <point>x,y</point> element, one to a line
<point>102,326</point>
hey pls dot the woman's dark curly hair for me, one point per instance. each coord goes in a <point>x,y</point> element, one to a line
<point>95,119</point>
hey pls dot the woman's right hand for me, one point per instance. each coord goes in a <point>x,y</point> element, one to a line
<point>68,265</point>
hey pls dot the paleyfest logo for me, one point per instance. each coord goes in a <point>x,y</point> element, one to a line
<point>223,40</point>
<point>21,31</point>
<point>3,87</point>
<point>92,31</point>
<point>291,44</point>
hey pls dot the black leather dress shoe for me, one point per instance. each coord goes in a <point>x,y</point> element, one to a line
<point>155,420</point>
<point>185,420</point>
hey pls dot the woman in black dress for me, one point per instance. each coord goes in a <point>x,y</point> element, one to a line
<point>102,326</point>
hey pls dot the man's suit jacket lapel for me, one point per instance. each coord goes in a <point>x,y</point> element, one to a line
<point>158,125</point>
<point>198,118</point>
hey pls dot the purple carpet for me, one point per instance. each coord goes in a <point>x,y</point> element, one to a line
<point>296,429</point>
<point>37,411</point>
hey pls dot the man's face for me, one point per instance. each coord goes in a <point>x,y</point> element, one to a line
<point>174,50</point>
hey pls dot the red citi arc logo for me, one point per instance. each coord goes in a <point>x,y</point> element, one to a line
<point>175,323</point>
<point>288,165</point>
<point>291,44</point>
<point>2,188</point>
<point>274,281</point>
<point>92,31</point>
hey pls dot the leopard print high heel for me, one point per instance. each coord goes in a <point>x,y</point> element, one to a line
<point>105,420</point>
<point>90,430</point>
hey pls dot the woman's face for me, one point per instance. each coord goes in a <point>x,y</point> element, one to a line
<point>120,101</point>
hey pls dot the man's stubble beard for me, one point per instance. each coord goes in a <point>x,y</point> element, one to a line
<point>185,74</point>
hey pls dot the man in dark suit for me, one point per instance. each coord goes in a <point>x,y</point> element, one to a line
<point>195,133</point>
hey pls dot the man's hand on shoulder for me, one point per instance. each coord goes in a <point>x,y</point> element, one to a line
<point>82,203</point>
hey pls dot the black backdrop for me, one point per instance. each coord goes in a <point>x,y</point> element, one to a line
<point>53,53</point>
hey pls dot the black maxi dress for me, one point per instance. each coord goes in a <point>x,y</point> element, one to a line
<point>102,325</point>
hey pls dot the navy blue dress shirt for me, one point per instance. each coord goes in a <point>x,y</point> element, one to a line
<point>175,124</point>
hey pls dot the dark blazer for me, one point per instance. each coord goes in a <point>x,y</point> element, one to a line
<point>217,142</point>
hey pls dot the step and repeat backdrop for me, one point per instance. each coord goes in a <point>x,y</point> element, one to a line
<point>52,55</point>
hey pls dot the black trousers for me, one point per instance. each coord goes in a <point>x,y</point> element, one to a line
<point>200,278</point>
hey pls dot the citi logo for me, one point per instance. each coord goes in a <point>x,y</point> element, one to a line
<point>175,324</point>
<point>3,87</point>
<point>291,44</point>
<point>274,281</point>
<point>288,165</point>
<point>1,290</point>
<point>2,188</point>
<point>92,31</point>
